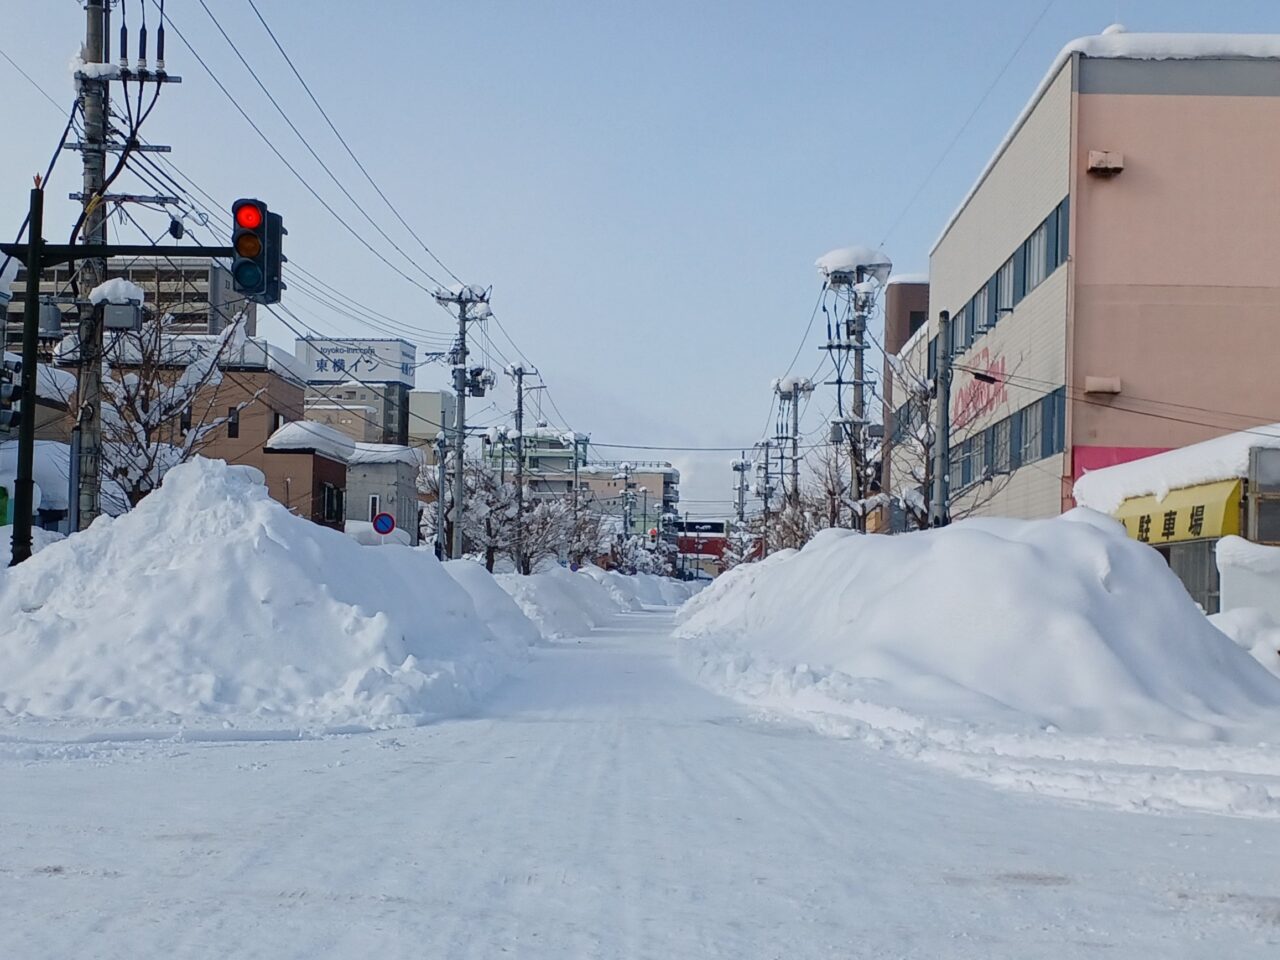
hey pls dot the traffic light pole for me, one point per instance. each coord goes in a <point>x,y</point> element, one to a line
<point>37,255</point>
<point>24,481</point>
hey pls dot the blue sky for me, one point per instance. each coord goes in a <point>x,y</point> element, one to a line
<point>646,186</point>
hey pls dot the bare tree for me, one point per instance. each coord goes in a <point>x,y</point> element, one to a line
<point>159,393</point>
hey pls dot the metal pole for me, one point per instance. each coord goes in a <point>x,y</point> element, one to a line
<point>764,529</point>
<point>442,450</point>
<point>575,479</point>
<point>519,550</point>
<point>24,481</point>
<point>459,430</point>
<point>93,158</point>
<point>939,508</point>
<point>73,482</point>
<point>795,446</point>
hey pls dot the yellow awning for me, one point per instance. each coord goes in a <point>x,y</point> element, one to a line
<point>1209,510</point>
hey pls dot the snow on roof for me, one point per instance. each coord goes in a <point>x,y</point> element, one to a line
<point>1116,43</point>
<point>849,259</point>
<point>117,290</point>
<point>907,278</point>
<point>51,383</point>
<point>1221,458</point>
<point>366,453</point>
<point>308,435</point>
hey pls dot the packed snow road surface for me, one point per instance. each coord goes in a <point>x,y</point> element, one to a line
<point>603,806</point>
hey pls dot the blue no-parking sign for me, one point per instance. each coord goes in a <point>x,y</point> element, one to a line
<point>384,523</point>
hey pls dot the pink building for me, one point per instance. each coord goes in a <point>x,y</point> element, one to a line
<point>1114,274</point>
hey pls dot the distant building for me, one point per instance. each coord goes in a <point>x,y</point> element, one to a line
<point>1111,276</point>
<point>196,291</point>
<point>655,485</point>
<point>383,478</point>
<point>430,413</point>
<point>370,379</point>
<point>306,470</point>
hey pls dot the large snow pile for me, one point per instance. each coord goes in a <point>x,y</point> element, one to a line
<point>1255,630</point>
<point>212,599</point>
<point>1063,623</point>
<point>1218,459</point>
<point>565,604</point>
<point>562,603</point>
<point>499,612</point>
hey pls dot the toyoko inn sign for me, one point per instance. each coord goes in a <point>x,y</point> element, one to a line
<point>374,361</point>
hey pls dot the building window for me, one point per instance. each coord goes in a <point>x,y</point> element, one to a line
<point>959,325</point>
<point>332,506</point>
<point>1001,461</point>
<point>277,421</point>
<point>1064,229</point>
<point>233,422</point>
<point>1004,288</point>
<point>184,419</point>
<point>933,358</point>
<point>915,320</point>
<point>978,463</point>
<point>1037,248</point>
<point>979,307</point>
<point>1032,431</point>
<point>374,503</point>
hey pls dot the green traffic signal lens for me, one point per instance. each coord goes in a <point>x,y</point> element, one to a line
<point>248,275</point>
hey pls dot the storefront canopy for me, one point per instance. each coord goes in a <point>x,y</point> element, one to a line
<point>1205,511</point>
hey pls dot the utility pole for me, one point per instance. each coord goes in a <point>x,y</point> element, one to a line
<point>24,480</point>
<point>740,467</point>
<point>939,508</point>
<point>789,391</point>
<point>626,499</point>
<point>518,372</point>
<point>442,451</point>
<point>863,301</point>
<point>93,93</point>
<point>462,298</point>
<point>765,492</point>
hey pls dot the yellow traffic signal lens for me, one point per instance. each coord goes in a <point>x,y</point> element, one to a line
<point>248,245</point>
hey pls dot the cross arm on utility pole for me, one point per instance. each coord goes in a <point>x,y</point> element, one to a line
<point>51,253</point>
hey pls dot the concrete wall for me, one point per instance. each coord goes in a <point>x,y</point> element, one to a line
<point>1177,258</point>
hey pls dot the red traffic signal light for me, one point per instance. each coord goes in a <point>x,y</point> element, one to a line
<point>249,215</point>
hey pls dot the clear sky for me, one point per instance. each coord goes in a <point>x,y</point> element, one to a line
<point>646,186</point>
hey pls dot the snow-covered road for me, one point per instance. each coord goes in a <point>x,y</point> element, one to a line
<point>602,807</point>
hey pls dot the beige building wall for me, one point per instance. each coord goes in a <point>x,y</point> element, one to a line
<point>1028,180</point>
<point>1026,350</point>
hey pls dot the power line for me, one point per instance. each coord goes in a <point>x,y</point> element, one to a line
<point>291,168</point>
<point>306,143</point>
<point>968,120</point>
<point>347,146</point>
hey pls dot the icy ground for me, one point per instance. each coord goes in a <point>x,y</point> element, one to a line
<point>602,806</point>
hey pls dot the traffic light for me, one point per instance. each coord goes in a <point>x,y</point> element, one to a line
<point>10,393</point>
<point>275,257</point>
<point>256,238</point>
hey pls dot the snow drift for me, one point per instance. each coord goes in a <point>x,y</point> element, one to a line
<point>212,599</point>
<point>496,608</point>
<point>1063,623</point>
<point>566,604</point>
